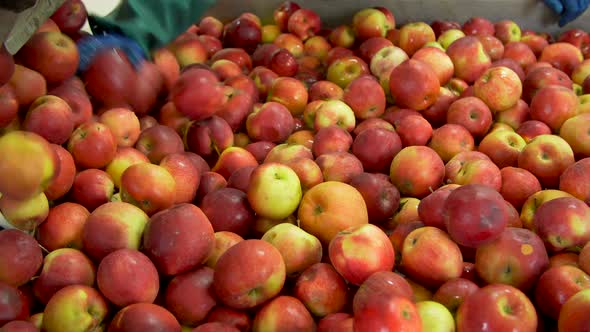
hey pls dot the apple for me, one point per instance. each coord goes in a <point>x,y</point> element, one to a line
<point>453,292</point>
<point>430,208</point>
<point>228,210</point>
<point>471,113</point>
<point>414,35</point>
<point>124,158</point>
<point>572,130</point>
<point>439,61</point>
<point>283,311</point>
<point>14,304</point>
<point>417,181</point>
<point>563,56</point>
<point>493,46</point>
<point>226,69</point>
<point>450,139</point>
<point>553,105</point>
<point>75,305</point>
<point>59,128</point>
<point>339,166</point>
<point>291,43</point>
<point>321,289</point>
<point>414,130</point>
<point>435,316</point>
<point>469,58</point>
<point>394,313</point>
<point>148,186</point>
<point>209,181</point>
<point>269,196</point>
<point>556,285</point>
<point>182,222</point>
<point>518,185</point>
<point>25,215</point>
<point>368,48</point>
<point>304,23</point>
<point>503,147</point>
<point>385,59</point>
<point>580,72</point>
<point>70,16</point>
<point>499,87</point>
<point>235,54</point>
<point>521,53</point>
<point>532,204</point>
<point>112,226</point>
<point>571,316</point>
<point>124,125</point>
<point>223,241</point>
<point>144,317</point>
<point>414,85</point>
<point>331,139</point>
<point>63,267</point>
<point>515,115</point>
<point>346,69</point>
<point>546,156</point>
<point>430,257</point>
<point>168,66</point>
<point>28,85</point>
<point>540,77</point>
<point>507,31</point>
<point>188,50</point>
<point>532,128</point>
<point>290,92</point>
<point>342,36</point>
<point>381,196</point>
<point>340,321</point>
<point>365,97</point>
<point>209,137</point>
<point>7,63</point>
<point>448,36</point>
<point>378,285</point>
<point>211,26</point>
<point>228,316</point>
<point>498,306</point>
<point>19,326</point>
<point>270,121</point>
<point>92,188</point>
<point>198,87</point>
<point>159,141</point>
<point>572,180</point>
<point>370,22</point>
<point>20,257</point>
<point>486,219</point>
<point>242,33</point>
<point>478,25</point>
<point>332,112</point>
<point>92,145</point>
<point>8,105</point>
<point>63,227</point>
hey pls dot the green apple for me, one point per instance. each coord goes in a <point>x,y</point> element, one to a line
<point>435,317</point>
<point>26,214</point>
<point>449,36</point>
<point>274,191</point>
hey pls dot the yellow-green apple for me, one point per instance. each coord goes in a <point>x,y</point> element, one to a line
<point>274,191</point>
<point>348,252</point>
<point>112,226</point>
<point>188,50</point>
<point>124,125</point>
<point>384,60</point>
<point>262,224</point>
<point>124,158</point>
<point>227,209</point>
<point>209,182</point>
<point>20,257</point>
<point>414,84</point>
<point>211,26</point>
<point>290,92</point>
<point>148,186</point>
<point>122,265</point>
<point>534,201</point>
<point>453,292</point>
<point>553,105</point>
<point>450,139</point>
<point>368,48</point>
<point>290,42</point>
<point>365,97</point>
<point>64,178</point>
<point>298,248</point>
<point>393,313</point>
<point>159,141</point>
<point>515,115</point>
<point>317,46</point>
<point>430,208</point>
<point>556,285</point>
<point>53,54</point>
<point>518,185</point>
<point>282,311</point>
<point>198,86</point>
<point>77,307</point>
<point>63,227</point>
<point>334,112</point>
<point>331,139</point>
<point>28,85</point>
<point>370,22</point>
<point>242,33</point>
<point>533,128</point>
<point>584,105</point>
<point>563,56</point>
<point>574,131</point>
<point>541,77</point>
<point>435,317</point>
<point>493,46</point>
<point>570,231</point>
<point>439,61</point>
<point>516,258</point>
<point>325,90</point>
<point>546,156</point>
<point>475,214</point>
<point>507,31</point>
<point>189,296</point>
<point>413,36</point>
<point>51,118</point>
<point>413,130</point>
<point>91,188</point>
<point>469,58</point>
<point>573,180</point>
<point>271,122</point>
<point>182,222</point>
<point>331,207</point>
<point>92,145</point>
<point>346,69</point>
<point>223,241</point>
<point>572,316</point>
<point>447,37</point>
<point>580,72</point>
<point>417,181</point>
<point>237,285</point>
<point>342,36</point>
<point>63,267</point>
<point>471,113</point>
<point>499,88</point>
<point>339,166</point>
<point>25,215</point>
<point>499,307</point>
<point>144,317</point>
<point>29,164</point>
<point>321,289</point>
<point>304,23</point>
<point>503,147</point>
<point>380,195</point>
<point>303,137</point>
<point>478,25</point>
<point>430,257</point>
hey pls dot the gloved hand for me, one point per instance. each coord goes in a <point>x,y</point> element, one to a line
<point>140,26</point>
<point>568,10</point>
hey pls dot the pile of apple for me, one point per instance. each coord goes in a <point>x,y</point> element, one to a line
<point>286,176</point>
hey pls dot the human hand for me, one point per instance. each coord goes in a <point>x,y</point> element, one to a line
<point>568,10</point>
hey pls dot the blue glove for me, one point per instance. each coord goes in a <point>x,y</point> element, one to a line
<point>568,10</point>
<point>91,45</point>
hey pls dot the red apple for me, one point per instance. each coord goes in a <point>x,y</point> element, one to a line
<point>518,184</point>
<point>556,285</point>
<point>414,130</point>
<point>209,137</point>
<point>242,33</point>
<point>381,196</point>
<point>414,85</point>
<point>77,99</point>
<point>469,58</point>
<point>124,124</point>
<point>271,122</point>
<point>331,139</point>
<point>70,16</point>
<point>144,317</point>
<point>430,208</point>
<point>563,56</point>
<point>228,210</point>
<point>63,227</point>
<point>321,289</point>
<point>7,65</point>
<point>452,293</point>
<point>531,129</point>
<point>478,25</point>
<point>186,176</point>
<point>304,23</point>
<point>393,313</point>
<point>546,156</point>
<point>283,311</point>
<point>198,87</point>
<point>451,139</point>
<point>553,105</point>
<point>499,88</point>
<point>14,304</point>
<point>414,35</point>
<point>92,188</point>
<point>365,96</point>
<point>425,175</point>
<point>92,145</point>
<point>50,117</point>
<point>111,78</point>
<point>158,142</point>
<point>519,52</point>
<point>20,257</point>
<point>570,232</point>
<point>192,309</point>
